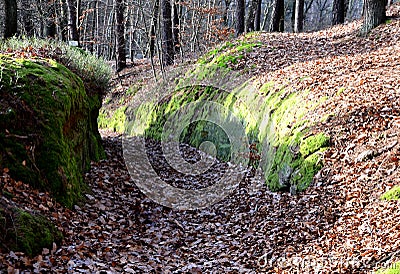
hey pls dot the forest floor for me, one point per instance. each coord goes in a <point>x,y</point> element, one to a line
<point>338,225</point>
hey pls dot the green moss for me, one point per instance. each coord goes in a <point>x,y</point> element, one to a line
<point>313,144</point>
<point>116,122</point>
<point>340,90</point>
<point>57,122</point>
<point>229,52</point>
<point>393,269</point>
<point>393,194</point>
<point>33,233</point>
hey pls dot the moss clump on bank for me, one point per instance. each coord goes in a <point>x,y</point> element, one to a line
<point>49,126</point>
<point>25,232</point>
<point>33,232</point>
<point>114,122</point>
<point>230,52</point>
<point>393,194</point>
<point>393,269</point>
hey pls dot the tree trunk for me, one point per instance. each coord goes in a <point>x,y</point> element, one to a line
<point>338,12</point>
<point>50,28</point>
<point>62,20</point>
<point>240,16</point>
<point>251,15</point>
<point>11,21</point>
<point>177,44</point>
<point>374,15</point>
<point>278,19</point>
<point>27,18</point>
<point>292,17</point>
<point>73,34</point>
<point>257,19</point>
<point>299,16</point>
<point>225,17</point>
<point>153,26</point>
<point>121,51</point>
<point>167,37</point>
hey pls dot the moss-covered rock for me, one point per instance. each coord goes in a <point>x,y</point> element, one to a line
<point>26,232</point>
<point>48,126</point>
<point>114,121</point>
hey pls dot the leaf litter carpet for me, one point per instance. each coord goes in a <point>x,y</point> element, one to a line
<point>338,225</point>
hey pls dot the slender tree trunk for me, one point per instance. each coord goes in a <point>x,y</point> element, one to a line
<point>278,19</point>
<point>72,19</point>
<point>251,15</point>
<point>338,12</point>
<point>299,16</point>
<point>121,51</point>
<point>292,18</point>
<point>27,17</point>
<point>257,20</point>
<point>225,17</point>
<point>240,16</point>
<point>50,28</point>
<point>177,44</point>
<point>267,10</point>
<point>63,21</point>
<point>167,36</point>
<point>11,23</point>
<point>153,26</point>
<point>374,14</point>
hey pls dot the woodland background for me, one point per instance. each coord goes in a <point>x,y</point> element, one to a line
<point>138,29</point>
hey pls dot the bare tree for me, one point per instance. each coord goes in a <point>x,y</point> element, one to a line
<point>121,50</point>
<point>167,37</point>
<point>257,19</point>
<point>278,16</point>
<point>338,12</point>
<point>153,27</point>
<point>251,15</point>
<point>177,45</point>
<point>50,27</point>
<point>11,23</point>
<point>72,20</point>
<point>374,14</point>
<point>298,16</point>
<point>240,16</point>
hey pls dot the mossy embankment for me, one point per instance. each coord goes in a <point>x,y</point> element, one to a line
<point>48,133</point>
<point>280,139</point>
